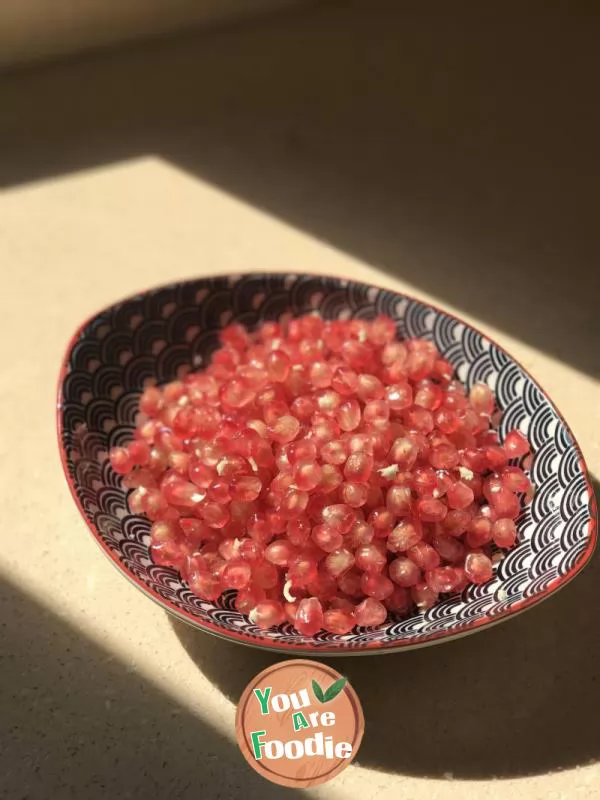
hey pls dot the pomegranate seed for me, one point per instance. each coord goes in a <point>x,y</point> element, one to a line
<point>370,613</point>
<point>370,558</point>
<point>515,480</point>
<point>307,475</point>
<point>449,548</point>
<point>236,574</point>
<point>302,570</point>
<point>504,532</point>
<point>443,579</point>
<point>424,556</point>
<point>460,495</point>
<point>309,616</point>
<point>478,567</point>
<point>338,562</point>
<point>344,381</point>
<point>404,572</point>
<point>424,596</point>
<point>376,585</point>
<point>265,575</point>
<point>121,461</point>
<point>516,444</point>
<point>327,538</point>
<point>267,614</point>
<point>339,517</point>
<point>431,510</point>
<point>348,415</point>
<point>404,536</point>
<point>248,598</point>
<point>399,500</point>
<point>336,620</point>
<point>358,467</point>
<point>245,488</point>
<point>279,552</point>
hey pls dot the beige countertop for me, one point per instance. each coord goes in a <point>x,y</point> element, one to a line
<point>143,183</point>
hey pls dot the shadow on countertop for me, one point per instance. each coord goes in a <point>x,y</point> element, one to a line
<point>522,698</point>
<point>79,723</point>
<point>452,145</point>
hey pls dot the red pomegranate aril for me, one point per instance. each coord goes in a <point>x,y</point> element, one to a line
<point>504,532</point>
<point>206,585</point>
<point>339,517</point>
<point>456,522</point>
<point>376,585</point>
<point>361,533</point>
<point>482,399</point>
<point>248,598</point>
<point>236,574</point>
<point>265,575</point>
<point>344,381</point>
<point>278,365</point>
<point>307,475</point>
<point>516,445</point>
<point>251,551</point>
<point>279,552</point>
<point>424,481</point>
<point>335,452</point>
<point>358,467</point>
<point>357,355</point>
<point>182,493</point>
<point>382,521</point>
<point>348,415</point>
<point>424,555</point>
<point>284,429</point>
<point>336,620</point>
<point>515,480</point>
<point>505,504</point>
<point>354,495</point>
<point>448,547</point>
<point>424,596</point>
<point>404,572</point>
<point>399,500</point>
<point>349,583</point>
<point>267,614</point>
<point>327,538</point>
<point>298,530</point>
<point>399,602</point>
<point>121,461</point>
<point>302,570</point>
<point>324,586</point>
<point>428,395</point>
<point>338,561</point>
<point>459,495</point>
<point>431,510</point>
<point>404,536</point>
<point>245,488</point>
<point>309,616</point>
<point>370,558</point>
<point>293,503</point>
<point>478,568</point>
<point>370,613</point>
<point>399,396</point>
<point>443,579</point>
<point>444,457</point>
<point>479,532</point>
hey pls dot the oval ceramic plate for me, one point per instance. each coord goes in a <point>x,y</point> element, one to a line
<point>162,333</point>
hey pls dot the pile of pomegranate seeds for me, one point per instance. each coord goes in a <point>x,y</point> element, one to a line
<point>327,471</point>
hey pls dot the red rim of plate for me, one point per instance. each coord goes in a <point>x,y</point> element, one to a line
<point>341,649</point>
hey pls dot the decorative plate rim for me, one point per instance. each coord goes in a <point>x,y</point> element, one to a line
<point>366,648</point>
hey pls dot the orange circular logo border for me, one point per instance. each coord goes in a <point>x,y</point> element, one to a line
<point>346,701</point>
